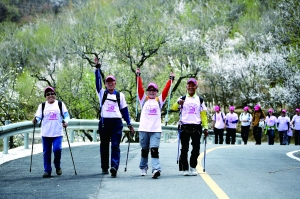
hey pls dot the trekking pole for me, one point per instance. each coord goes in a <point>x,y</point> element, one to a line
<point>204,153</point>
<point>127,153</point>
<point>137,96</point>
<point>70,148</point>
<point>32,144</point>
<point>178,143</point>
<point>167,119</point>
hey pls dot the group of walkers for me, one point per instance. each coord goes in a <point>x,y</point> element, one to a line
<point>193,121</point>
<point>259,121</point>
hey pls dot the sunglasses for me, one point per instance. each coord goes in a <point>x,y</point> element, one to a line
<point>152,90</point>
<point>52,93</point>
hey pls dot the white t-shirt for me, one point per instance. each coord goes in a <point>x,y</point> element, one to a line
<point>296,122</point>
<point>150,120</point>
<point>219,120</point>
<point>52,121</point>
<point>245,116</point>
<point>110,107</point>
<point>192,107</point>
<point>231,117</point>
<point>283,126</point>
<point>271,121</point>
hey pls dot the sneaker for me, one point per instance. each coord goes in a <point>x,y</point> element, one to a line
<point>46,175</point>
<point>58,171</point>
<point>104,171</point>
<point>186,173</point>
<point>156,173</point>
<point>193,171</point>
<point>143,172</point>
<point>113,172</point>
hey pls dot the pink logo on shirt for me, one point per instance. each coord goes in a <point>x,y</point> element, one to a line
<point>110,107</point>
<point>191,108</point>
<point>152,110</point>
<point>52,115</point>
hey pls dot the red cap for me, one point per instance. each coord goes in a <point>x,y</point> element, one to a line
<point>47,89</point>
<point>192,80</point>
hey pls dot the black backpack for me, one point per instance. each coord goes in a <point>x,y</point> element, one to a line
<point>105,97</point>
<point>200,98</point>
<point>60,108</point>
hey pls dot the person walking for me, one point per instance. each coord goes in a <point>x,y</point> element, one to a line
<point>54,117</point>
<point>150,123</point>
<point>218,125</point>
<point>258,116</point>
<point>193,118</point>
<point>283,125</point>
<point>296,126</point>
<point>113,108</point>
<point>270,129</point>
<point>231,121</point>
<point>245,119</point>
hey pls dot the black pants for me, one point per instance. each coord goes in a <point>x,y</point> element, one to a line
<point>257,131</point>
<point>297,137</point>
<point>230,135</point>
<point>193,132</point>
<point>245,133</point>
<point>219,133</point>
<point>271,136</point>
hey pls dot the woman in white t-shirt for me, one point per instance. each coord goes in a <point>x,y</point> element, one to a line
<point>271,121</point>
<point>296,126</point>
<point>218,125</point>
<point>150,123</point>
<point>54,118</point>
<point>245,119</point>
<point>283,125</point>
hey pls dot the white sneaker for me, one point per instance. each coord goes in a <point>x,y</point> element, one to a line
<point>193,171</point>
<point>186,173</point>
<point>143,172</point>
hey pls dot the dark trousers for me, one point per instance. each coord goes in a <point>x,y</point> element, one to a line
<point>110,131</point>
<point>48,142</point>
<point>193,132</point>
<point>271,136</point>
<point>230,135</point>
<point>297,137</point>
<point>219,133</point>
<point>283,137</point>
<point>257,131</point>
<point>245,133</point>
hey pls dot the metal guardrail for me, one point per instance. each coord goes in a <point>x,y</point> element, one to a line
<point>26,127</point>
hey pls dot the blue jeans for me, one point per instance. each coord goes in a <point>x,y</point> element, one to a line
<point>48,142</point>
<point>150,140</point>
<point>271,136</point>
<point>111,131</point>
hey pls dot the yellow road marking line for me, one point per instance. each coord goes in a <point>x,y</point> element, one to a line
<point>208,180</point>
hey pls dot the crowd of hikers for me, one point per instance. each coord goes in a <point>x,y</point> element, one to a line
<point>53,116</point>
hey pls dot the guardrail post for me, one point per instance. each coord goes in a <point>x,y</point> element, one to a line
<point>94,135</point>
<point>26,138</point>
<point>72,136</point>
<point>5,145</point>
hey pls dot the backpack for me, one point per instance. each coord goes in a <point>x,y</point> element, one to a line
<point>105,97</point>
<point>221,115</point>
<point>147,100</point>
<point>60,108</point>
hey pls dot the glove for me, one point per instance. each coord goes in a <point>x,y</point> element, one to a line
<point>137,72</point>
<point>34,121</point>
<point>98,66</point>
<point>205,132</point>
<point>172,77</point>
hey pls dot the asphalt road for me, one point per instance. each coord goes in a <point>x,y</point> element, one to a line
<point>234,171</point>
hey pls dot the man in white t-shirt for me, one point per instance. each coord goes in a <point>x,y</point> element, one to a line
<point>283,125</point>
<point>52,118</point>
<point>231,121</point>
<point>112,110</point>
<point>192,118</point>
<point>296,125</point>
